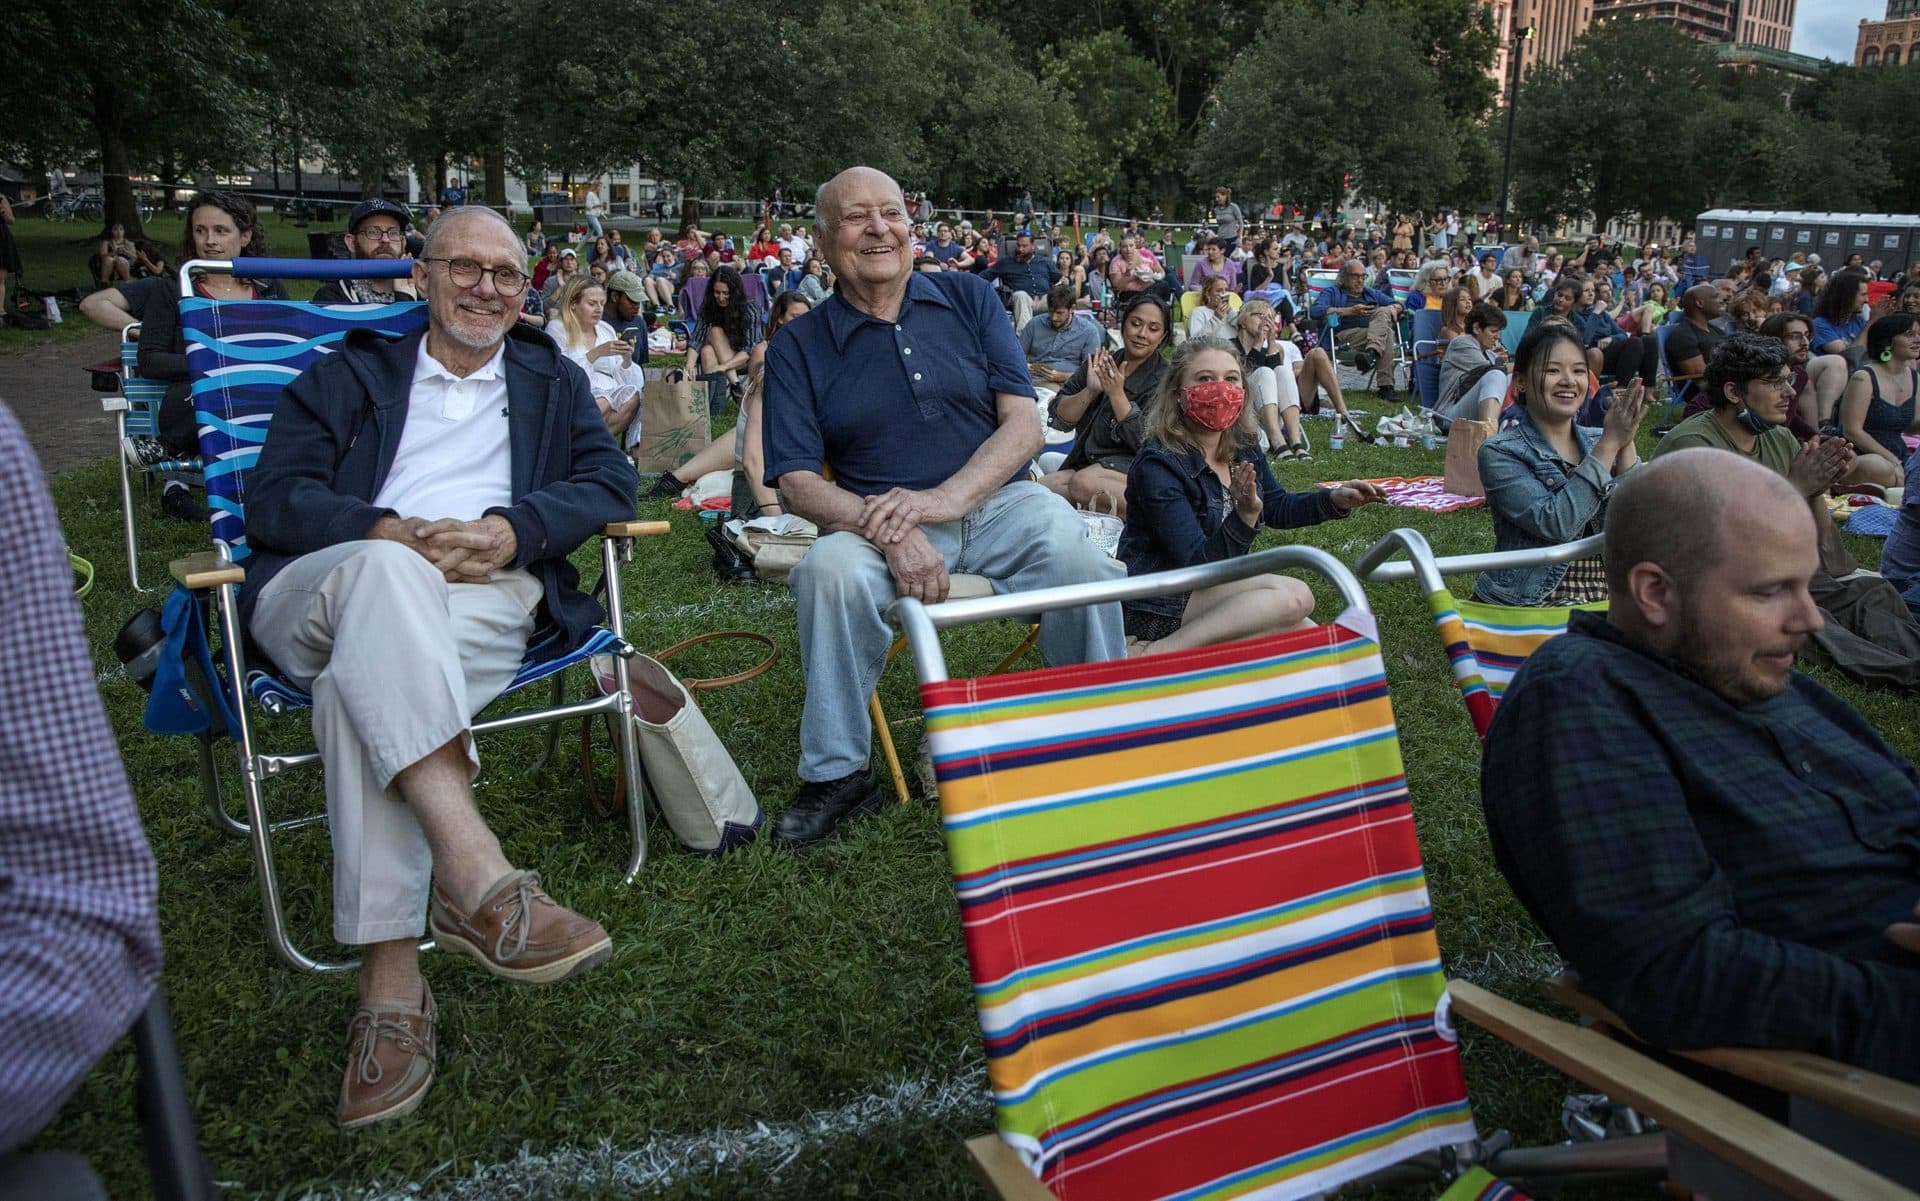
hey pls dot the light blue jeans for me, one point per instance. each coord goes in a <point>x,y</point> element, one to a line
<point>1022,538</point>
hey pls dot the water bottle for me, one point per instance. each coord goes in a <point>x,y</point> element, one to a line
<point>1338,441</point>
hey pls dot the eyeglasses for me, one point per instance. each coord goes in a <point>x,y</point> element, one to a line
<point>1779,383</point>
<point>395,236</point>
<point>465,273</point>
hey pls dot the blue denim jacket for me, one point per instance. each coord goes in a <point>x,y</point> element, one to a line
<point>1178,515</point>
<point>1537,499</point>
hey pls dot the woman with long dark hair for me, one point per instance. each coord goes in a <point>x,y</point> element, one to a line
<point>1879,406</point>
<point>1838,322</point>
<point>728,328</point>
<point>220,225</point>
<point>1105,405</point>
<point>1547,479</point>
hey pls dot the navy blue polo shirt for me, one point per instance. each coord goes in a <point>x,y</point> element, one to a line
<point>1033,277</point>
<point>891,404</point>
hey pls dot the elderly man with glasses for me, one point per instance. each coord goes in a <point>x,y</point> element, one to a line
<point>411,517</point>
<point>376,229</point>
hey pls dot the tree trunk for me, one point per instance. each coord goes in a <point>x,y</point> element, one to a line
<point>116,179</point>
<point>439,178</point>
<point>493,168</point>
<point>372,179</point>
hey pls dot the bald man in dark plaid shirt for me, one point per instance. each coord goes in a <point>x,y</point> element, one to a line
<point>1725,851</point>
<point>79,940</point>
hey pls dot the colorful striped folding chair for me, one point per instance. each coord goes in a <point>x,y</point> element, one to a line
<point>1202,950</point>
<point>136,411</point>
<point>242,354</point>
<point>1485,643</point>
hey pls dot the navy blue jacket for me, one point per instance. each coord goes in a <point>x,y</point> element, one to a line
<point>1178,514</point>
<point>337,427</point>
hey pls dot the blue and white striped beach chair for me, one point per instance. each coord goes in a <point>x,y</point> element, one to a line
<point>242,354</point>
<point>136,410</point>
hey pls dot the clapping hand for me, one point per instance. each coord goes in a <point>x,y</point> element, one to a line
<point>1348,497</point>
<point>1624,414</point>
<point>1820,463</point>
<point>1244,488</point>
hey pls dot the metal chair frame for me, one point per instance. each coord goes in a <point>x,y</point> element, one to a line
<point>136,411</point>
<point>215,573</point>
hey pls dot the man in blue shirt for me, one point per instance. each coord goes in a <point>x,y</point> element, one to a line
<point>1726,852</point>
<point>1367,315</point>
<point>1695,268</point>
<point>1025,275</point>
<point>909,390</point>
<point>1060,341</point>
<point>943,248</point>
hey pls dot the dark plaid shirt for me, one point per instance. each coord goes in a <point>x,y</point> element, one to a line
<point>1718,874</point>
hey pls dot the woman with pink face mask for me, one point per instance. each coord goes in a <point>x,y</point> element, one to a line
<point>1199,491</point>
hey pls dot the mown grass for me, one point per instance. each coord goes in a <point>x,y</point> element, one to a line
<point>759,989</point>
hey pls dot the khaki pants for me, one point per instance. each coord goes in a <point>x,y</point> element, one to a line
<point>1379,335</point>
<point>397,661</point>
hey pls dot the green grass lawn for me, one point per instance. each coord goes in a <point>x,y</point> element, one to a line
<point>769,988</point>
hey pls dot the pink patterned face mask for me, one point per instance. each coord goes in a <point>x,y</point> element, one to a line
<point>1214,405</point>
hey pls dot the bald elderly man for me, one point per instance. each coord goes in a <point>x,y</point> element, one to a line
<point>1727,853</point>
<point>909,390</point>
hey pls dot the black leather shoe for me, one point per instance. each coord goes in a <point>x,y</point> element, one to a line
<point>178,502</point>
<point>667,487</point>
<point>729,565</point>
<point>818,809</point>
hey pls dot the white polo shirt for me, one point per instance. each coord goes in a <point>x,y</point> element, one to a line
<point>454,459</point>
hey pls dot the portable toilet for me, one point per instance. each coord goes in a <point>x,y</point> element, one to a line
<point>1712,234</point>
<point>1832,236</point>
<point>1752,228</point>
<point>1778,242</point>
<point>1803,233</point>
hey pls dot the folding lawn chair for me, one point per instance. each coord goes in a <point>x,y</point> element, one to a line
<point>1676,384</point>
<point>1202,948</point>
<point>1427,353</point>
<point>1485,643</point>
<point>1516,329</point>
<point>692,294</point>
<point>136,413</point>
<point>242,354</point>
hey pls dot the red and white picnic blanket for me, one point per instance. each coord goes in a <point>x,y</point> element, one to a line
<point>1427,492</point>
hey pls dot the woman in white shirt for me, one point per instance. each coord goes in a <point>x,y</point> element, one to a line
<point>1212,316</point>
<point>606,358</point>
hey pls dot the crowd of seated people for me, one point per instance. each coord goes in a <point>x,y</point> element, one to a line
<point>1804,918</point>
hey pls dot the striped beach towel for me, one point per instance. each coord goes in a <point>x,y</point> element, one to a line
<point>1486,644</point>
<point>1201,943</point>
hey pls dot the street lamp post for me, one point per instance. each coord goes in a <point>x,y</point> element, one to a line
<point>1521,33</point>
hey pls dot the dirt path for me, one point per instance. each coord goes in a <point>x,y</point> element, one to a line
<point>47,389</point>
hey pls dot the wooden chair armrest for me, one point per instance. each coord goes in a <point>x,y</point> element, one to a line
<point>1724,1128</point>
<point>1005,1174</point>
<point>635,529</point>
<point>1866,1095</point>
<point>206,569</point>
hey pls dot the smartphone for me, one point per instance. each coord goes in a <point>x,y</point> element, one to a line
<point>631,336</point>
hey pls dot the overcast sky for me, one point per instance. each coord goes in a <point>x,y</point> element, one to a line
<point>1828,28</point>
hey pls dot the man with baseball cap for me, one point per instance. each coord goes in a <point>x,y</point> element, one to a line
<point>627,309</point>
<point>376,229</point>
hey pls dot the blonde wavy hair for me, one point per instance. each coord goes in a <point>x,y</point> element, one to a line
<point>1167,422</point>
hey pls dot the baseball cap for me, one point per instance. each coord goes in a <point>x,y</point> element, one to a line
<point>374,208</point>
<point>568,252</point>
<point>629,283</point>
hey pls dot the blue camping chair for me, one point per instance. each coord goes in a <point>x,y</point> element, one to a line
<point>1427,352</point>
<point>1516,329</point>
<point>692,295</point>
<point>1677,385</point>
<point>136,413</point>
<point>242,355</point>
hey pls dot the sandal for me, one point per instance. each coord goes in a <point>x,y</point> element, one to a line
<point>1299,453</point>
